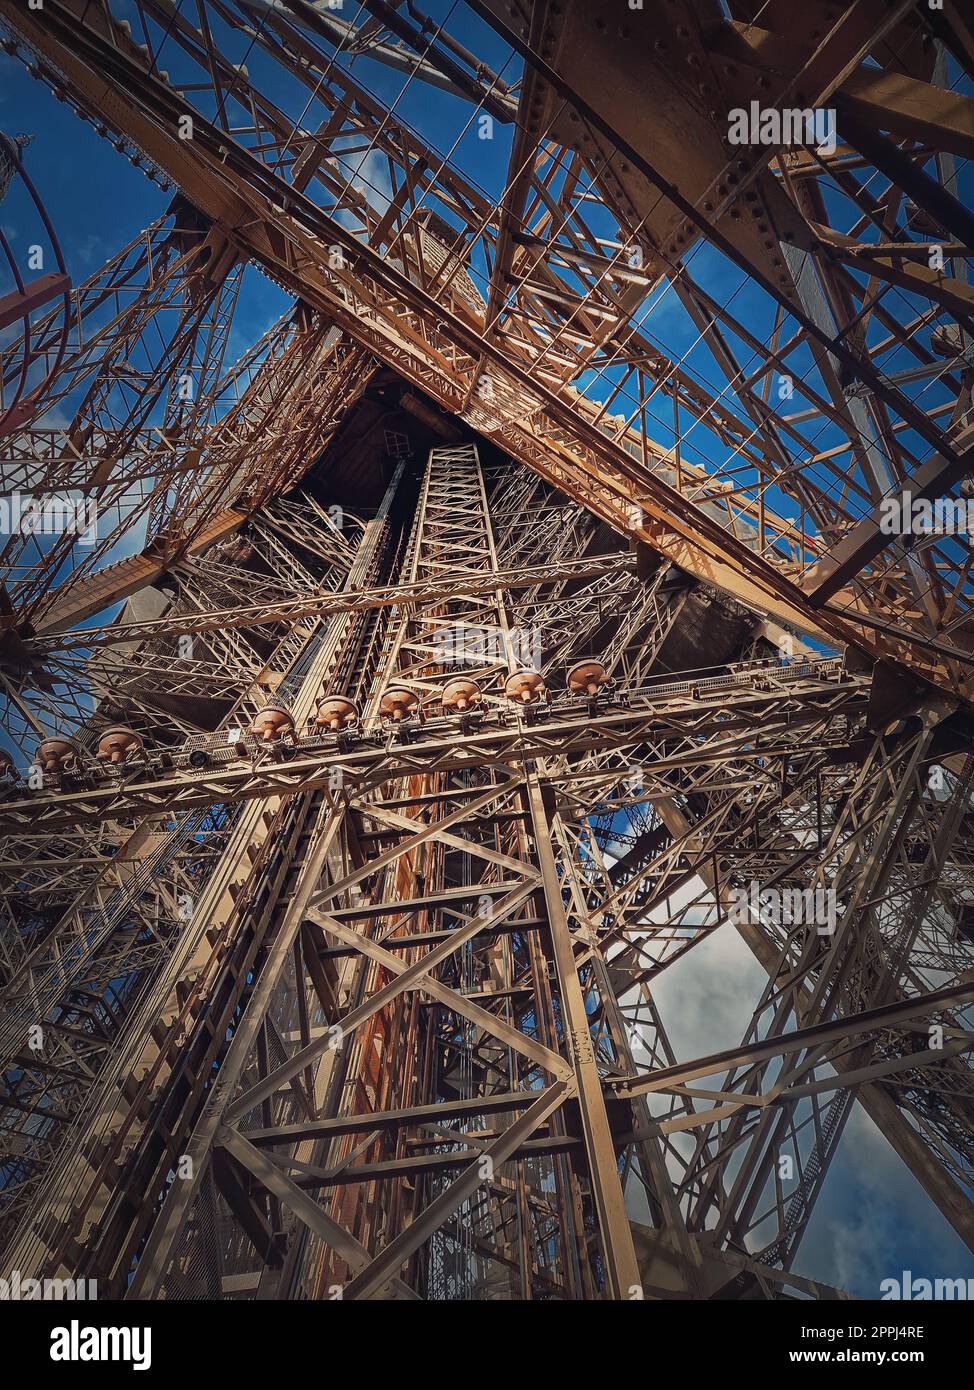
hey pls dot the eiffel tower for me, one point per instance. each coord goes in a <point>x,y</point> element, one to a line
<point>395,700</point>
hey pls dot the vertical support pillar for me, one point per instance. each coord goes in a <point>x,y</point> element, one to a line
<point>619,1251</point>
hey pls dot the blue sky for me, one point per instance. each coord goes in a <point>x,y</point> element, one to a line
<point>872,1220</point>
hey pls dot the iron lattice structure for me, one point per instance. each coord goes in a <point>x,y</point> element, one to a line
<point>480,655</point>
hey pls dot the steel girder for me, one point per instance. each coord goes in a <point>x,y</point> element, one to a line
<point>785,776</point>
<point>449,369</point>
